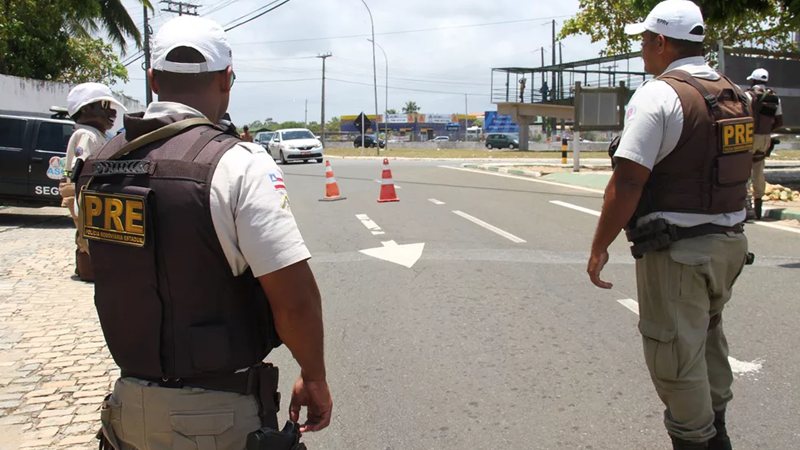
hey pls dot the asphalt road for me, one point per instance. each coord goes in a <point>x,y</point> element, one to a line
<point>490,342</point>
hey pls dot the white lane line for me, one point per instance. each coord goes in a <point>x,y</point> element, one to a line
<point>490,227</point>
<point>778,226</point>
<point>737,367</point>
<point>395,186</point>
<point>576,207</point>
<point>435,202</point>
<point>371,226</point>
<point>630,304</point>
<point>532,180</point>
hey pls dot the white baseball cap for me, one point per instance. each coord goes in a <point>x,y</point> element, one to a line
<point>88,93</point>
<point>201,34</point>
<point>759,75</point>
<point>672,18</point>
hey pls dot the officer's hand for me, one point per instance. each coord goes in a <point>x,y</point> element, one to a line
<point>317,398</point>
<point>598,260</point>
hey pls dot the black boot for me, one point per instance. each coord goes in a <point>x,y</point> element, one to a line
<point>757,206</point>
<point>680,444</point>
<point>720,441</point>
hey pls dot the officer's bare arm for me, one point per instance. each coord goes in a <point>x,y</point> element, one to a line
<point>297,308</point>
<point>619,203</point>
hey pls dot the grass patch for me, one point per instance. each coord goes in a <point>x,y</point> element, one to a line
<point>454,153</point>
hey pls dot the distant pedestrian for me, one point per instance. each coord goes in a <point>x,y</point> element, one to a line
<point>679,189</point>
<point>91,106</point>
<point>246,136</point>
<point>765,106</point>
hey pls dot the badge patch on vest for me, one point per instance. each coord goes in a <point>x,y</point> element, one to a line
<point>736,135</point>
<point>115,218</point>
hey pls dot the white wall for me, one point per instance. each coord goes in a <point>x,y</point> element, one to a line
<point>29,95</point>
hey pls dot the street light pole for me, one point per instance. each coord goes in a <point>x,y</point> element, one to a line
<point>374,69</point>
<point>386,101</point>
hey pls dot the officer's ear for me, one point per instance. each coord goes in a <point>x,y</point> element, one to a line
<point>226,79</point>
<point>153,82</point>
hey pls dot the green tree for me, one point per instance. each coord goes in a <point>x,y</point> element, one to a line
<point>745,23</point>
<point>334,125</point>
<point>92,60</point>
<point>391,111</point>
<point>411,107</point>
<point>86,17</point>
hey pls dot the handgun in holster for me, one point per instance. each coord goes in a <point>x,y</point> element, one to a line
<point>654,235</point>
<point>268,438</point>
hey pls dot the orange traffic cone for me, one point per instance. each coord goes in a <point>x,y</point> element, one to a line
<point>331,188</point>
<point>388,193</point>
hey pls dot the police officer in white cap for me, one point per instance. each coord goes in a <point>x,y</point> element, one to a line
<point>768,116</point>
<point>678,189</point>
<point>200,269</point>
<point>92,107</point>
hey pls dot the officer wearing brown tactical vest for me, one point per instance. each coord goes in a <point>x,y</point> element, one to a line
<point>767,116</point>
<point>200,269</point>
<point>679,190</point>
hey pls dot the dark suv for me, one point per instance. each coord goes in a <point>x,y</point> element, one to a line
<point>32,157</point>
<point>502,140</point>
<point>369,141</point>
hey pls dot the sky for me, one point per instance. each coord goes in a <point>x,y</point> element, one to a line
<point>437,50</point>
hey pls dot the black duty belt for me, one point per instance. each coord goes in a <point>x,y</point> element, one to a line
<point>660,234</point>
<point>236,382</point>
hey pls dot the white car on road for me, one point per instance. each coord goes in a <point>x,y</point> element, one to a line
<point>295,144</point>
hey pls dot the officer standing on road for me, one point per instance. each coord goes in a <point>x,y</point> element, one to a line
<point>767,116</point>
<point>195,252</point>
<point>91,106</point>
<point>683,217</point>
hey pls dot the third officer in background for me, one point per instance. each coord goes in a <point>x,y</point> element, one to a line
<point>679,190</point>
<point>195,251</point>
<point>768,116</point>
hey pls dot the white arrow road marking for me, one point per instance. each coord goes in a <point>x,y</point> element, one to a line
<point>738,367</point>
<point>435,202</point>
<point>395,186</point>
<point>406,255</point>
<point>371,226</point>
<point>490,227</point>
<point>575,207</point>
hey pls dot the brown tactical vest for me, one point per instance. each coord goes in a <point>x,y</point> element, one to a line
<point>167,301</point>
<point>764,108</point>
<point>707,172</point>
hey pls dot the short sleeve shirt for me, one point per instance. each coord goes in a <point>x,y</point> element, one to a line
<point>85,140</point>
<point>653,126</point>
<point>249,206</point>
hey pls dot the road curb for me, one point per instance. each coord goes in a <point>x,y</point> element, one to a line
<point>779,213</point>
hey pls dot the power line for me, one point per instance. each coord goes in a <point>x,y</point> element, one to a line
<point>257,15</point>
<point>419,30</point>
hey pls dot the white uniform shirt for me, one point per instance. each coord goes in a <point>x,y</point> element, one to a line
<point>249,206</point>
<point>653,126</point>
<point>85,140</point>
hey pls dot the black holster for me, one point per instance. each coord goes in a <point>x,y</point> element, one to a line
<point>263,384</point>
<point>268,438</point>
<point>655,235</point>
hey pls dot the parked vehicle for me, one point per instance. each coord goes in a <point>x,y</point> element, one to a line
<point>370,140</point>
<point>263,138</point>
<point>502,140</point>
<point>294,144</point>
<point>441,139</point>
<point>33,151</point>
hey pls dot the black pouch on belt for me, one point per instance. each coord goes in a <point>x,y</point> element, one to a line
<point>270,439</point>
<point>264,386</point>
<point>654,235</point>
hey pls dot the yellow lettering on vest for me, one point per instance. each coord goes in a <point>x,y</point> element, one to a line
<point>727,135</point>
<point>113,212</point>
<point>93,207</point>
<point>748,134</point>
<point>739,133</point>
<point>133,216</point>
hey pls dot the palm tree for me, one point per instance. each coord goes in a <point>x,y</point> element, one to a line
<point>411,107</point>
<point>88,16</point>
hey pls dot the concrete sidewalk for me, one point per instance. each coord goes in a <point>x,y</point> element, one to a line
<point>595,174</point>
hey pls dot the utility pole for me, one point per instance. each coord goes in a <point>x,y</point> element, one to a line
<point>148,94</point>
<point>190,9</point>
<point>322,109</point>
<point>553,90</point>
<point>466,117</point>
<point>306,116</point>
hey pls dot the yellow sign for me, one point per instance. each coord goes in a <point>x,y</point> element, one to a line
<point>117,218</point>
<point>737,136</point>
